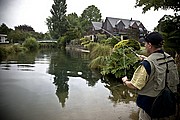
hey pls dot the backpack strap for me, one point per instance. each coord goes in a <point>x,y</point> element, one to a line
<point>167,70</point>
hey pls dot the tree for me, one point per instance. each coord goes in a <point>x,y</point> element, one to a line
<point>157,4</point>
<point>57,23</point>
<point>91,13</point>
<point>74,30</point>
<point>4,29</point>
<point>170,28</point>
<point>24,28</point>
<point>31,44</point>
<point>17,36</point>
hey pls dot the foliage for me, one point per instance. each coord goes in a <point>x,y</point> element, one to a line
<point>75,42</point>
<point>120,61</point>
<point>110,41</point>
<point>98,54</point>
<point>47,36</point>
<point>128,43</point>
<point>100,50</point>
<point>17,36</point>
<point>74,25</point>
<point>57,23</point>
<point>157,4</point>
<point>98,62</point>
<point>101,37</point>
<point>24,28</point>
<point>48,45</point>
<point>85,40</point>
<point>31,44</point>
<point>91,13</point>
<point>61,41</point>
<point>91,46</point>
<point>4,29</point>
<point>3,53</point>
<point>170,29</point>
<point>72,34</point>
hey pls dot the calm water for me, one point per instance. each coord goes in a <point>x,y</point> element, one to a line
<point>58,85</point>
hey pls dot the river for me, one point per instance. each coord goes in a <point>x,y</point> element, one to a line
<point>58,85</point>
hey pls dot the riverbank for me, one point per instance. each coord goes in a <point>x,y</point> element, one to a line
<point>79,48</point>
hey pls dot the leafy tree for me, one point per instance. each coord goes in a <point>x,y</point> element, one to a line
<point>74,30</point>
<point>57,23</point>
<point>17,36</point>
<point>47,36</point>
<point>91,13</point>
<point>170,28</point>
<point>4,29</point>
<point>157,4</point>
<point>24,28</point>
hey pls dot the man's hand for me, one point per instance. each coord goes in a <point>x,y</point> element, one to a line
<point>142,57</point>
<point>124,79</point>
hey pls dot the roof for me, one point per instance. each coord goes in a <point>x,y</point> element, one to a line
<point>97,25</point>
<point>126,22</point>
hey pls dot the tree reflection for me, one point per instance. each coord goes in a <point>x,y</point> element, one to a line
<point>69,63</point>
<point>119,92</point>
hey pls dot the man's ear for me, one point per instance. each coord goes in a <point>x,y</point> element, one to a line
<point>149,45</point>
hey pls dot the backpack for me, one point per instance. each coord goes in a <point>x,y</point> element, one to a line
<point>164,104</point>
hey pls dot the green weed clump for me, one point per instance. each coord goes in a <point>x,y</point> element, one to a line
<point>31,44</point>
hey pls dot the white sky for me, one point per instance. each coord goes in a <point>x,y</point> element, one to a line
<point>35,12</point>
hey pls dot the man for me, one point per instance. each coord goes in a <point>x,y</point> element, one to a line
<point>149,77</point>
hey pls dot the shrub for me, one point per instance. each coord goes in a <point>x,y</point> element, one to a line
<point>128,43</point>
<point>3,53</point>
<point>98,55</point>
<point>91,45</point>
<point>85,40</point>
<point>61,41</point>
<point>120,61</point>
<point>100,50</point>
<point>101,37</point>
<point>31,44</point>
<point>110,41</point>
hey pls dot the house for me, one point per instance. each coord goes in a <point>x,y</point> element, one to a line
<point>120,27</point>
<point>97,27</point>
<point>3,38</point>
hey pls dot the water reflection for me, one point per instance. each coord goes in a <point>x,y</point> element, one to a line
<point>75,64</point>
<point>69,63</point>
<point>76,86</point>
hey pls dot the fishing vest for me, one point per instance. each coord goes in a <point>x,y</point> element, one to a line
<point>156,79</point>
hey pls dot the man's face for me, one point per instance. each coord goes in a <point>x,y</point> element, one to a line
<point>148,47</point>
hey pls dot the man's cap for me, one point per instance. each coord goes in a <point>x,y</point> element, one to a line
<point>154,38</point>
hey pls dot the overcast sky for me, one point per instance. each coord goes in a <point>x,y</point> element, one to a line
<point>35,12</point>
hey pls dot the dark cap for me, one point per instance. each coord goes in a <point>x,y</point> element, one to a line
<point>154,38</point>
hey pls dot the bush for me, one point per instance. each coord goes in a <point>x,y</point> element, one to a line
<point>128,43</point>
<point>100,50</point>
<point>61,41</point>
<point>101,37</point>
<point>31,44</point>
<point>91,45</point>
<point>110,41</point>
<point>98,54</point>
<point>85,40</point>
<point>19,48</point>
<point>120,61</point>
<point>3,53</point>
